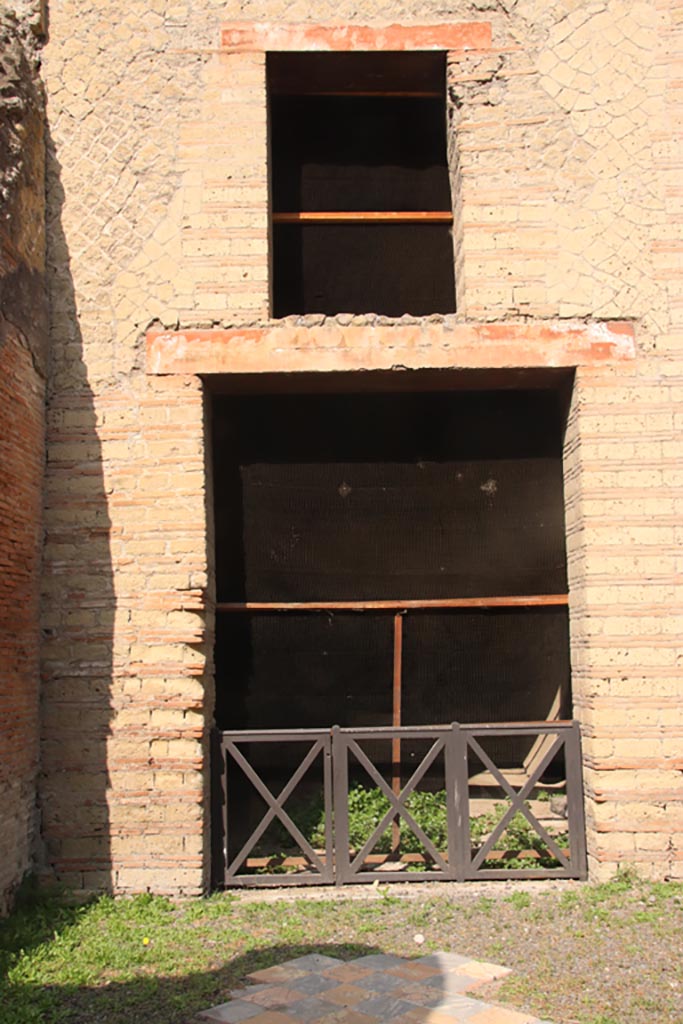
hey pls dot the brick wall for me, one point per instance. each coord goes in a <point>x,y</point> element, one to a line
<point>564,130</point>
<point>22,375</point>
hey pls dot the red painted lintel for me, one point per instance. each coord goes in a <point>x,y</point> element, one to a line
<point>335,347</point>
<point>263,36</point>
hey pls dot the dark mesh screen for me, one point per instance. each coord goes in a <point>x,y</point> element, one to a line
<point>388,496</point>
<point>358,153</point>
<point>292,671</point>
<point>483,666</point>
<point>390,269</point>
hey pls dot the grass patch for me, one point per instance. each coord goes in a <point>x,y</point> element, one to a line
<point>590,954</point>
<point>367,806</point>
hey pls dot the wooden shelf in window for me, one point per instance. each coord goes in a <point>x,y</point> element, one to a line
<point>431,94</point>
<point>365,216</point>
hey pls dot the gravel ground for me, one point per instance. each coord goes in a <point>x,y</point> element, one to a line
<point>609,954</point>
<point>580,954</point>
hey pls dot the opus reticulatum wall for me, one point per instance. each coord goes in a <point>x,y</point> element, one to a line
<point>565,124</point>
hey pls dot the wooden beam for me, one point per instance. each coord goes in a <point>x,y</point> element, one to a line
<point>424,94</point>
<point>364,216</point>
<point>516,601</point>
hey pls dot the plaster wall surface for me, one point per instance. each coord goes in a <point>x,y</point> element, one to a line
<point>565,139</point>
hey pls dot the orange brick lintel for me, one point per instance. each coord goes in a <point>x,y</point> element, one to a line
<point>335,347</point>
<point>262,36</point>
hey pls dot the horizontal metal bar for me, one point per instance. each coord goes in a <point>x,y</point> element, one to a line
<point>300,878</point>
<point>514,601</point>
<point>400,732</point>
<point>407,732</point>
<point>400,876</point>
<point>518,873</point>
<point>518,728</point>
<point>274,735</point>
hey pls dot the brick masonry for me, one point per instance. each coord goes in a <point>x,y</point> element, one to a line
<point>23,336</point>
<point>565,147</point>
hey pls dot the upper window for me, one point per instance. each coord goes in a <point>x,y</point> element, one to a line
<point>360,188</point>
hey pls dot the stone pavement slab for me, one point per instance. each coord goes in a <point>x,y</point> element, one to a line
<point>374,989</point>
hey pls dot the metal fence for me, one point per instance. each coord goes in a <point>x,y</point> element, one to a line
<point>260,775</point>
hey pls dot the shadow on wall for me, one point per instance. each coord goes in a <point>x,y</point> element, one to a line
<point>78,600</point>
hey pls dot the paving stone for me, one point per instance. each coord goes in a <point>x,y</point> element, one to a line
<point>486,971</point>
<point>381,981</point>
<point>232,1013</point>
<point>347,972</point>
<point>345,995</point>
<point>385,1007</point>
<point>374,989</point>
<point>380,961</point>
<point>501,1015</point>
<point>274,997</point>
<point>313,982</point>
<point>348,1016</point>
<point>273,1017</point>
<point>423,995</point>
<point>462,1007</point>
<point>281,973</point>
<point>313,1010</point>
<point>416,971</point>
<point>315,962</point>
<point>452,983</point>
<point>444,961</point>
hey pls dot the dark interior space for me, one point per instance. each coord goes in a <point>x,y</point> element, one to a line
<point>389,495</point>
<point>361,139</point>
<point>390,269</point>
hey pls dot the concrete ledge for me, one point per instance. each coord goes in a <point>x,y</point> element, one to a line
<point>332,346</point>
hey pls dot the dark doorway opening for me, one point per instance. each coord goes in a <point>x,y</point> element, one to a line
<point>390,553</point>
<point>414,496</point>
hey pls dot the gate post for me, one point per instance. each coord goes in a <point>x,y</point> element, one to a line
<point>458,803</point>
<point>340,806</point>
<point>575,807</point>
<point>219,811</point>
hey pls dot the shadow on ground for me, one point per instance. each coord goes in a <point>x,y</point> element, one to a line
<point>152,999</point>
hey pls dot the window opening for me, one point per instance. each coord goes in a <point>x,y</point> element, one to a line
<point>360,192</point>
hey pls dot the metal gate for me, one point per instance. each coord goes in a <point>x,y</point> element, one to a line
<point>258,773</point>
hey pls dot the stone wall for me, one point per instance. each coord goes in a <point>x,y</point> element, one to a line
<point>23,340</point>
<point>565,130</point>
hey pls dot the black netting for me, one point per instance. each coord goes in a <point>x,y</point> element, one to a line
<point>388,496</point>
<point>389,269</point>
<point>358,153</point>
<point>483,666</point>
<point>295,671</point>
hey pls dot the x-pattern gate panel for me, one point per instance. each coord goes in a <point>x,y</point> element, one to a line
<point>316,772</point>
